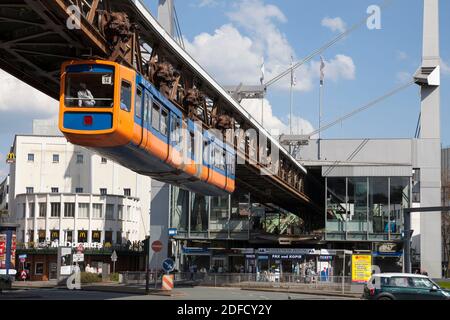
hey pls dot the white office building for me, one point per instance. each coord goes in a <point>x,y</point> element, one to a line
<point>4,190</point>
<point>59,191</point>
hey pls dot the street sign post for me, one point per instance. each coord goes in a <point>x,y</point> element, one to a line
<point>78,257</point>
<point>23,275</point>
<point>157,246</point>
<point>168,265</point>
<point>114,260</point>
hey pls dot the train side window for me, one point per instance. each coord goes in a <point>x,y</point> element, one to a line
<point>175,131</point>
<point>155,116</point>
<point>148,107</point>
<point>192,145</point>
<point>125,96</point>
<point>164,121</point>
<point>138,108</point>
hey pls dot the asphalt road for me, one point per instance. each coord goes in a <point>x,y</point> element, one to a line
<point>197,293</point>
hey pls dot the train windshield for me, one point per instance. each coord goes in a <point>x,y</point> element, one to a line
<point>89,86</point>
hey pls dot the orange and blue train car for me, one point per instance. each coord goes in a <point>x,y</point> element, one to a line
<point>115,111</point>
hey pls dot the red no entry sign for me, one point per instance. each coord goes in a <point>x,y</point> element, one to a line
<point>157,246</point>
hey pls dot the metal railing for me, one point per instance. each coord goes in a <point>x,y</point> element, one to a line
<point>288,281</point>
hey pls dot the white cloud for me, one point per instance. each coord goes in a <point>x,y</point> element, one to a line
<point>207,3</point>
<point>403,76</point>
<point>401,55</point>
<point>17,96</point>
<point>445,68</point>
<point>271,122</point>
<point>227,55</point>
<point>232,56</point>
<point>334,24</point>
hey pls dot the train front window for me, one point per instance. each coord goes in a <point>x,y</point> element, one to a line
<point>89,87</point>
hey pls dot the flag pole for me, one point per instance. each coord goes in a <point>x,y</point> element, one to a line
<point>291,101</point>
<point>263,71</point>
<point>320,114</point>
<point>322,77</point>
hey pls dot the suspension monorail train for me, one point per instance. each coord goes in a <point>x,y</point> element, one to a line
<point>115,111</point>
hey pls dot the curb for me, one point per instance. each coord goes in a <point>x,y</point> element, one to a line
<point>328,294</point>
<point>128,291</point>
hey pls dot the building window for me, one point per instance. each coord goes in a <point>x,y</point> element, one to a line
<point>31,208</point>
<point>108,237</point>
<point>80,159</point>
<point>42,210</point>
<point>127,192</point>
<point>120,212</point>
<point>82,236</point>
<point>83,210</point>
<point>39,269</point>
<point>69,236</point>
<point>55,211</point>
<point>416,186</point>
<point>104,161</point>
<point>97,209</point>
<point>31,157</point>
<point>56,158</point>
<point>22,210</point>
<point>41,236</point>
<point>103,191</point>
<point>55,190</point>
<point>69,210</point>
<point>78,190</point>
<point>30,190</point>
<point>110,212</point>
<point>96,236</point>
<point>31,235</point>
<point>119,237</point>
<point>54,235</point>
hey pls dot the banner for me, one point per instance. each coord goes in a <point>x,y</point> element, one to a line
<point>361,268</point>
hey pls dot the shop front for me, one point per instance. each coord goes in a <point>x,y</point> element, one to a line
<point>41,264</point>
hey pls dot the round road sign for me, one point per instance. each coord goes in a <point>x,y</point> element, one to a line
<point>168,265</point>
<point>157,246</point>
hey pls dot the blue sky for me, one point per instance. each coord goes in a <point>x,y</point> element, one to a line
<point>230,37</point>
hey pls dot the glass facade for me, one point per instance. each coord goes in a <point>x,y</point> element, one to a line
<point>366,208</point>
<point>210,217</point>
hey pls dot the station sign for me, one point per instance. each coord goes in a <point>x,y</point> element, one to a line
<point>287,256</point>
<point>283,251</point>
<point>173,232</point>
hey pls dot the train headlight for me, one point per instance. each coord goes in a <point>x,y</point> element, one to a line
<point>88,120</point>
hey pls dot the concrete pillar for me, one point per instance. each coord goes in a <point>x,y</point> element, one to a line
<point>166,15</point>
<point>160,198</point>
<point>159,222</point>
<point>429,146</point>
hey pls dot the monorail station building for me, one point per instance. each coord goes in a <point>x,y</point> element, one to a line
<point>363,186</point>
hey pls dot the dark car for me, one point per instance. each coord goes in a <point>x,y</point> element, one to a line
<point>401,286</point>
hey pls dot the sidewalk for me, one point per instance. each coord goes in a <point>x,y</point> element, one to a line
<point>34,284</point>
<point>128,289</point>
<point>323,290</point>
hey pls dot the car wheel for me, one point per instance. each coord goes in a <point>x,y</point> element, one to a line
<point>384,298</point>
